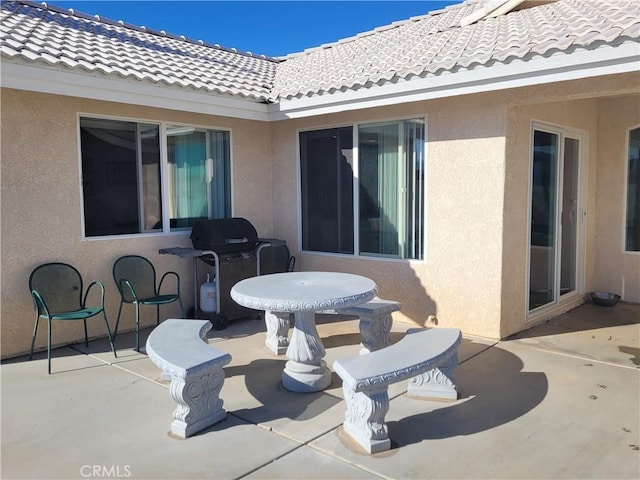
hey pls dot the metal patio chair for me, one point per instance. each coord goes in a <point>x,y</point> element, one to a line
<point>276,259</point>
<point>57,292</point>
<point>135,277</point>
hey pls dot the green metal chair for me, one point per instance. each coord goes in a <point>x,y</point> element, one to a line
<point>135,277</point>
<point>57,292</point>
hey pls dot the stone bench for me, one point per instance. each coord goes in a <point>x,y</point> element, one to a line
<point>425,357</point>
<point>375,325</point>
<point>179,347</point>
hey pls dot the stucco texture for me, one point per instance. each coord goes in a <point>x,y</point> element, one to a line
<point>577,115</point>
<point>614,269</point>
<point>459,280</point>
<point>603,122</point>
<point>474,275</point>
<point>41,208</point>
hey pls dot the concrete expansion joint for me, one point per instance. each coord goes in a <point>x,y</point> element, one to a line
<point>586,359</point>
<point>489,347</point>
<point>142,377</point>
<point>350,462</point>
<point>275,459</point>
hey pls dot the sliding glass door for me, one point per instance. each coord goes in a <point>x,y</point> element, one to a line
<point>569,216</point>
<point>555,216</point>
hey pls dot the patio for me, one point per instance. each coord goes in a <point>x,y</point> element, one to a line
<point>558,401</point>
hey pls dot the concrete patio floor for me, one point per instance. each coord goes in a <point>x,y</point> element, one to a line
<point>558,401</point>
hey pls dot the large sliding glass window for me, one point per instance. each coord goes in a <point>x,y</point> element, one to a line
<point>326,169</point>
<point>199,181</point>
<point>632,226</point>
<point>122,176</point>
<point>391,179</point>
<point>385,213</point>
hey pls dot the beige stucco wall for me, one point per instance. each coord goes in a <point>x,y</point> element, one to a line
<point>41,201</point>
<point>459,281</point>
<point>474,273</point>
<point>604,121</point>
<point>614,270</point>
<point>581,115</point>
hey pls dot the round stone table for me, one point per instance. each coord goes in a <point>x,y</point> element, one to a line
<point>304,293</point>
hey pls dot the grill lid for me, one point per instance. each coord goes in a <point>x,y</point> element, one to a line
<point>224,235</point>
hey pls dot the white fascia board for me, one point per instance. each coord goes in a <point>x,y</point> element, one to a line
<point>606,60</point>
<point>37,78</point>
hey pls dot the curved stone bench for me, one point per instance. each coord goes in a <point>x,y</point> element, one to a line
<point>375,322</point>
<point>425,357</point>
<point>375,325</point>
<point>179,347</point>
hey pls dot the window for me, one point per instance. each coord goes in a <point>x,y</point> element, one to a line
<point>327,190</point>
<point>632,230</point>
<point>367,200</point>
<point>132,183</point>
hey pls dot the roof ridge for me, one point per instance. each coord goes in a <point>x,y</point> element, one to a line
<point>142,28</point>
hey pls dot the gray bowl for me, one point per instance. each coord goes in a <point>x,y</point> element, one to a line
<point>604,299</point>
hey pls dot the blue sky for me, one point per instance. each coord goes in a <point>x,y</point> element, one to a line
<point>265,27</point>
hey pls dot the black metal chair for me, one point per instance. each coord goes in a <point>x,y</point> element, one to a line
<point>135,277</point>
<point>276,260</point>
<point>57,292</point>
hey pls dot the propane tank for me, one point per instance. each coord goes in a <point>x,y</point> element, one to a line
<point>208,295</point>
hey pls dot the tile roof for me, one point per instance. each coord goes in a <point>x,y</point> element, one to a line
<point>62,38</point>
<point>456,38</point>
<point>436,43</point>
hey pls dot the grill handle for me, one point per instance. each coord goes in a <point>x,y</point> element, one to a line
<point>237,240</point>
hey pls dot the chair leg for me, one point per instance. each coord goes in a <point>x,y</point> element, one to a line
<point>115,331</point>
<point>157,314</point>
<point>33,338</point>
<point>49,346</point>
<point>106,322</point>
<point>182,308</point>
<point>137,327</point>
<point>86,336</point>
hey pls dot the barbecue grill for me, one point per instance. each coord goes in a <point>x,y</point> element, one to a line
<point>232,247</point>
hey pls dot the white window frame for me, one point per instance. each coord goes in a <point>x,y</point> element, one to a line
<point>562,302</point>
<point>164,173</point>
<point>356,188</point>
<point>625,188</point>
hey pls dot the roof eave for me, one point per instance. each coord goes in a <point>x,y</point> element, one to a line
<point>561,66</point>
<point>23,75</point>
